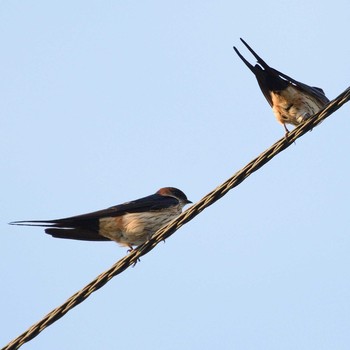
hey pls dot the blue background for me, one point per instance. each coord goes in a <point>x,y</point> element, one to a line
<point>107,101</point>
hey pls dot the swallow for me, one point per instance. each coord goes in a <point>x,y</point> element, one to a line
<point>129,224</point>
<point>292,102</point>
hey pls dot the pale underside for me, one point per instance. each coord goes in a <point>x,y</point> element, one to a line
<point>292,107</point>
<point>136,228</point>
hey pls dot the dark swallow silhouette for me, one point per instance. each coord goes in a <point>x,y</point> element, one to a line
<point>292,102</point>
<point>129,224</point>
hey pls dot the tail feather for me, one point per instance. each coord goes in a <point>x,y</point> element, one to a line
<point>84,230</point>
<point>92,224</point>
<point>37,223</point>
<point>258,58</point>
<point>248,64</point>
<point>269,79</point>
<point>76,233</point>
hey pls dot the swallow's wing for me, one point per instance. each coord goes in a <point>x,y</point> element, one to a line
<point>316,92</point>
<point>149,203</point>
<point>91,220</point>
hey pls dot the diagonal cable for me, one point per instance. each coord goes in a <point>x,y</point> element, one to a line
<point>182,219</point>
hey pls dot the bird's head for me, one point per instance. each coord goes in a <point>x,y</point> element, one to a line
<point>175,193</point>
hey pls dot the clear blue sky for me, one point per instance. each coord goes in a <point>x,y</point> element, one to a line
<point>107,101</point>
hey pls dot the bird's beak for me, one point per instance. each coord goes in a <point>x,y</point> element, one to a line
<point>188,202</point>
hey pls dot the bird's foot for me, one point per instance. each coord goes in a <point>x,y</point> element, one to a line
<point>129,251</point>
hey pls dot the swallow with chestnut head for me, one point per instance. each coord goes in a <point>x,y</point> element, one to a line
<point>291,101</point>
<point>129,224</point>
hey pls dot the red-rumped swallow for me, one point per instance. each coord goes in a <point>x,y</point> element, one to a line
<point>292,102</point>
<point>129,224</point>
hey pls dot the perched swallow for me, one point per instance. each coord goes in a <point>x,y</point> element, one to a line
<point>129,224</point>
<point>292,102</point>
